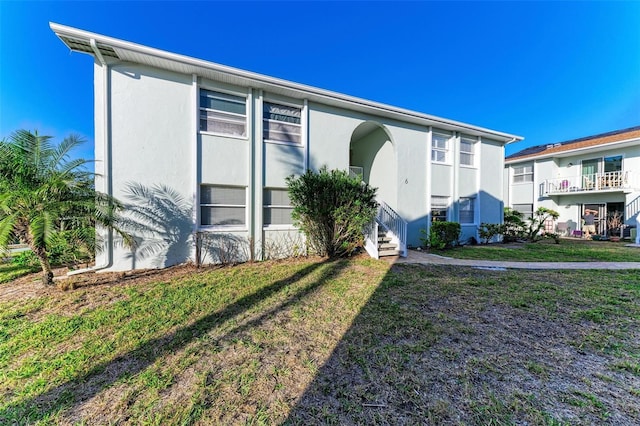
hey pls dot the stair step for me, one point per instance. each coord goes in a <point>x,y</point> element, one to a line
<point>383,239</point>
<point>389,253</point>
<point>387,246</point>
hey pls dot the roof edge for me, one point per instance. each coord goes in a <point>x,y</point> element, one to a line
<point>63,30</point>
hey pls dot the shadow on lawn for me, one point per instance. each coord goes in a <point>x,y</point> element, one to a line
<point>90,384</point>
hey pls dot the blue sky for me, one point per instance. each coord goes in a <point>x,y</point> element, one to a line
<point>548,71</point>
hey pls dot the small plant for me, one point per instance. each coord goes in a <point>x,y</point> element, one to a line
<point>513,226</point>
<point>25,259</point>
<point>614,223</point>
<point>535,225</point>
<point>489,231</point>
<point>442,235</point>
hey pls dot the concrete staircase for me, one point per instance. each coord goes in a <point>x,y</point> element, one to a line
<point>385,246</point>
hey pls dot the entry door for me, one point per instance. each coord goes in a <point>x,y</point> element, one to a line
<point>601,217</point>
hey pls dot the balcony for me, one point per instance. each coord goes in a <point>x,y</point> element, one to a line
<point>598,182</point>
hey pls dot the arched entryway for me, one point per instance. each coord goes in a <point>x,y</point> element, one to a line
<point>372,149</point>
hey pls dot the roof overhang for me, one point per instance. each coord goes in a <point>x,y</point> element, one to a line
<point>115,49</point>
<point>573,152</point>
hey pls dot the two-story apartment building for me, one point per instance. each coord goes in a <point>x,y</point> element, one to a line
<point>220,143</point>
<point>597,172</point>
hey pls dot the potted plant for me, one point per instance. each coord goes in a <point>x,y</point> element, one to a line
<point>614,225</point>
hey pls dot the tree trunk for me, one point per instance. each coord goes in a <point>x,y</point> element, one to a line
<point>47,273</point>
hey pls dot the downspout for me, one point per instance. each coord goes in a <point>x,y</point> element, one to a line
<point>106,134</point>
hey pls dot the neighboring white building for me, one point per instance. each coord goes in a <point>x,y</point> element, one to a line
<point>223,140</point>
<point>597,172</point>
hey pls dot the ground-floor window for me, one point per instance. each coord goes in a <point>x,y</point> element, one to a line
<point>439,207</point>
<point>222,205</point>
<point>525,209</point>
<point>467,210</point>
<point>276,207</point>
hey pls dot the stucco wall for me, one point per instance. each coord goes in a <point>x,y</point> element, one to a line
<point>152,116</point>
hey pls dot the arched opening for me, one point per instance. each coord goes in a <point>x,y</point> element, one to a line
<point>372,150</point>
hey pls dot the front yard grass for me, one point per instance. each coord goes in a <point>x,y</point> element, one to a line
<point>10,271</point>
<point>569,250</point>
<point>353,341</point>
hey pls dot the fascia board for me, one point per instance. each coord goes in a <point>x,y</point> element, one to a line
<point>264,82</point>
<point>577,151</point>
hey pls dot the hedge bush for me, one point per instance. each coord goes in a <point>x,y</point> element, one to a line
<point>332,209</point>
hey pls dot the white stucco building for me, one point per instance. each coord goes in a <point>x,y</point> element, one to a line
<point>597,172</point>
<point>223,140</point>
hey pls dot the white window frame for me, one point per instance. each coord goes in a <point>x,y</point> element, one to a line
<point>301,143</point>
<point>472,201</point>
<point>446,151</point>
<point>527,176</point>
<point>445,201</point>
<point>234,227</point>
<point>472,153</point>
<point>525,214</point>
<point>276,206</point>
<point>233,114</point>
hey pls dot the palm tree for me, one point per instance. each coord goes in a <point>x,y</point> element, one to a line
<point>43,191</point>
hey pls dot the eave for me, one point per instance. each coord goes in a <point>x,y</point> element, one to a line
<point>80,41</point>
<point>573,152</point>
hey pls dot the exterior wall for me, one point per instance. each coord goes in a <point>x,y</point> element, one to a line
<point>569,205</point>
<point>398,157</point>
<point>441,179</point>
<point>490,186</point>
<point>151,119</point>
<point>151,128</point>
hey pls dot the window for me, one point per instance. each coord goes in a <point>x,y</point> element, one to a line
<point>525,209</point>
<point>613,164</point>
<point>282,123</point>
<point>466,151</point>
<point>223,113</point>
<point>222,205</point>
<point>467,210</point>
<point>277,207</point>
<point>440,147</point>
<point>439,206</point>
<point>523,174</point>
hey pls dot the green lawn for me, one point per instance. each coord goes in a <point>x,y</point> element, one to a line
<point>316,342</point>
<point>9,271</point>
<point>569,250</point>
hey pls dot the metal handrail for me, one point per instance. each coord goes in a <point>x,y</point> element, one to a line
<point>392,222</point>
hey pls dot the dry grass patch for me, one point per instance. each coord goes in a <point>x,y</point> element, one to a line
<point>316,342</point>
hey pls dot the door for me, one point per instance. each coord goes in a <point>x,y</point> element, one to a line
<point>601,216</point>
<point>589,171</point>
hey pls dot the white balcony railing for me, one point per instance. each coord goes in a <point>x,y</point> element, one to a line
<point>610,181</point>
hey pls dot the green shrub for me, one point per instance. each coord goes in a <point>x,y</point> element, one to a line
<point>332,210</point>
<point>444,235</point>
<point>488,231</point>
<point>513,226</point>
<point>25,259</point>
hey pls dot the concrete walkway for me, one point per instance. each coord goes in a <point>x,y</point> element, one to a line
<point>422,258</point>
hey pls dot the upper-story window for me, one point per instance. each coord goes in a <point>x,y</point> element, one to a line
<point>440,147</point>
<point>282,123</point>
<point>523,173</point>
<point>613,164</point>
<point>467,151</point>
<point>223,113</point>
